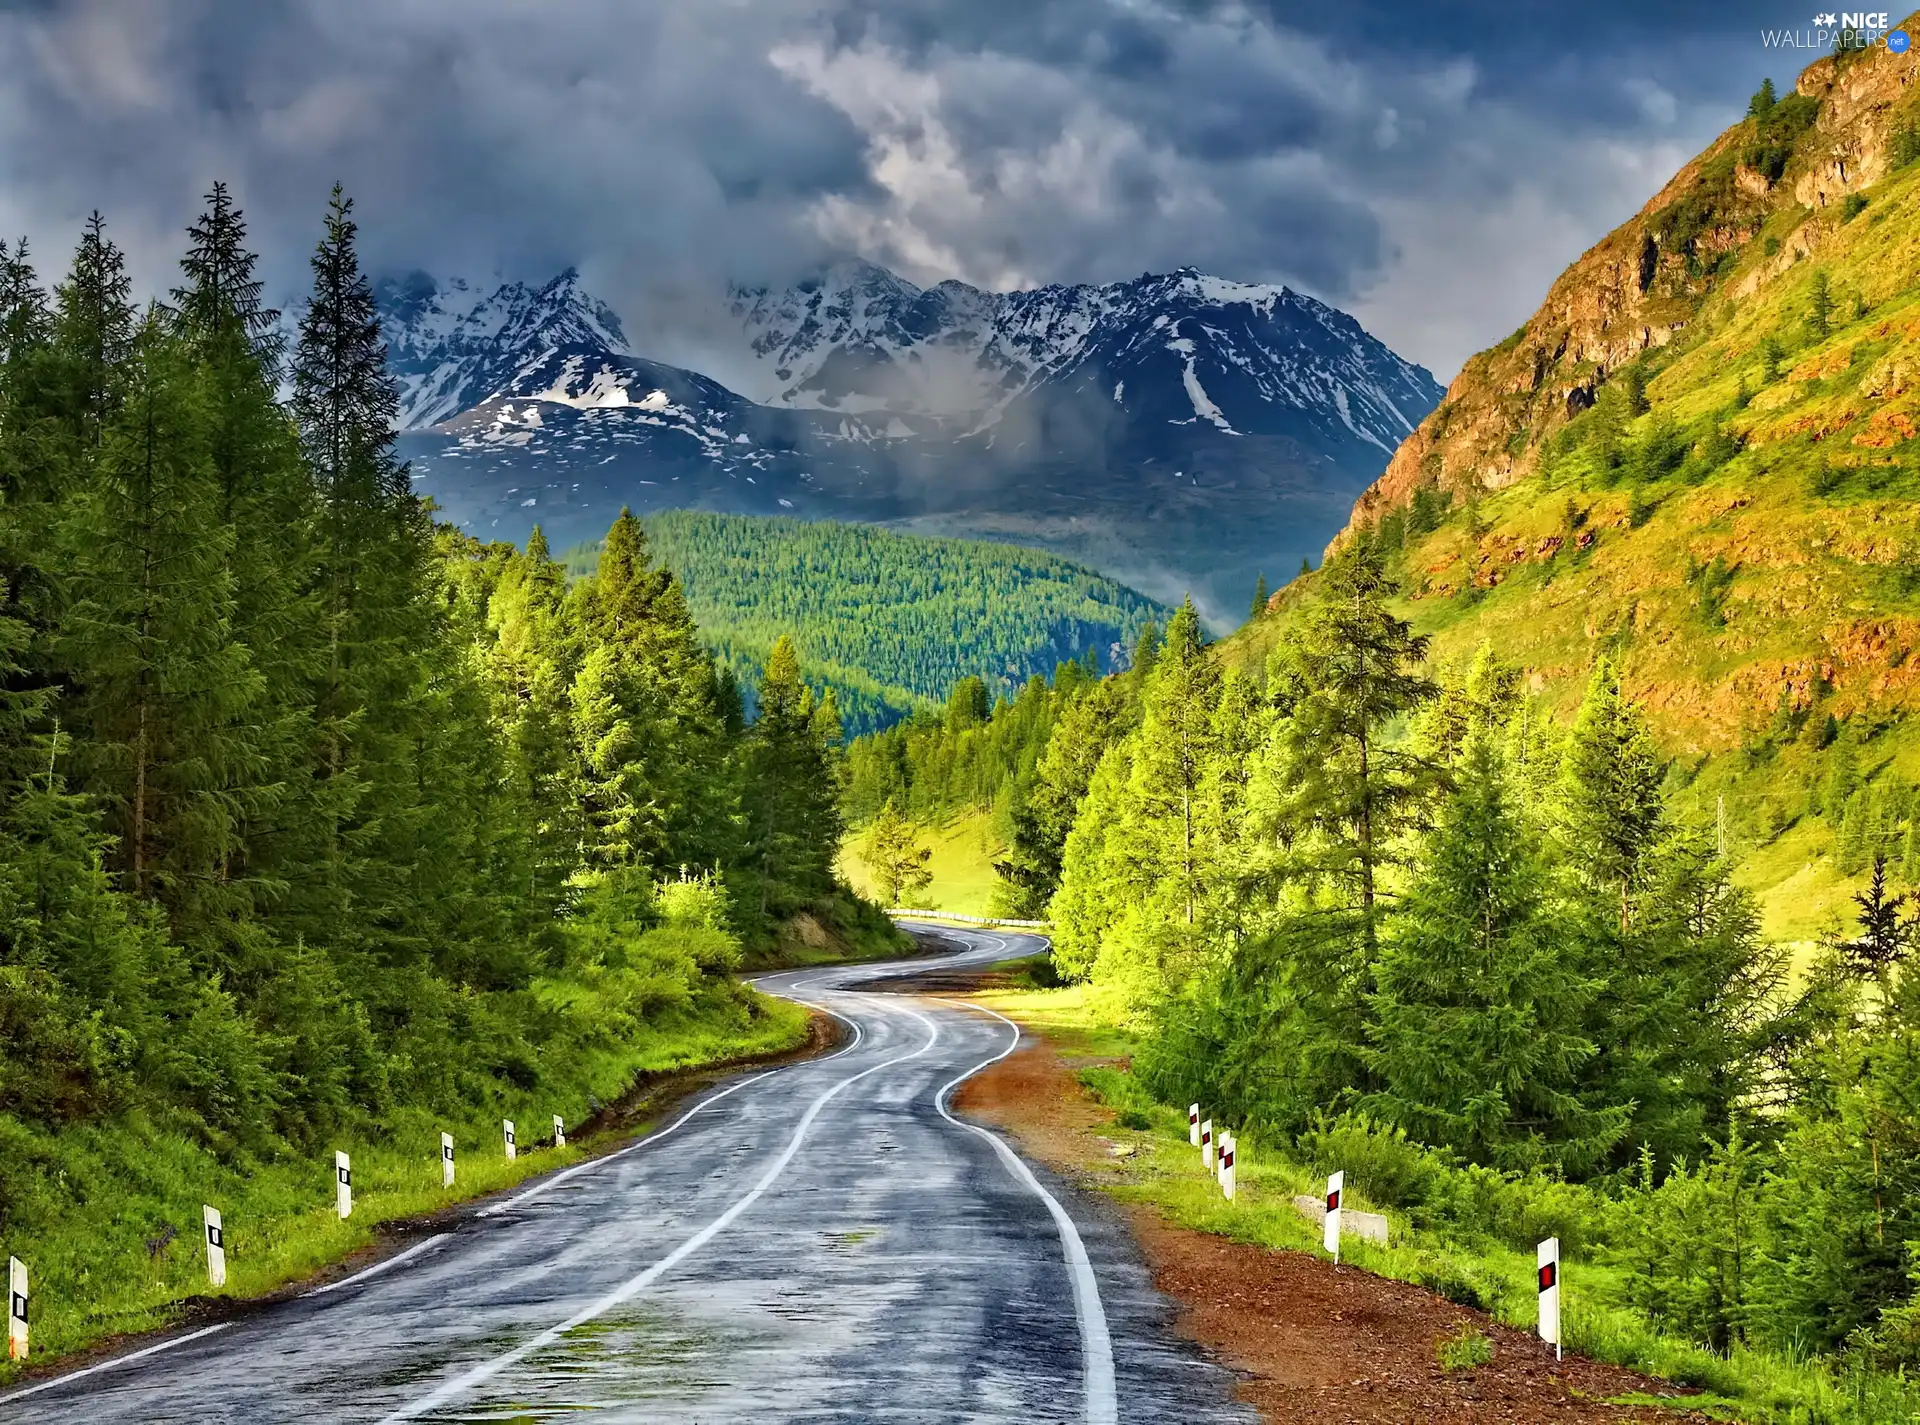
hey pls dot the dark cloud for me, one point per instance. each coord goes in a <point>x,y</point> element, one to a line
<point>1429,166</point>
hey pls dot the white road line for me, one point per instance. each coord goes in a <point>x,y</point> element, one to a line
<point>486,1370</point>
<point>548,1184</point>
<point>1096,1344</point>
<point>113,1364</point>
<point>378,1267</point>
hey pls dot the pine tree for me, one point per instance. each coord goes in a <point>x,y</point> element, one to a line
<point>1853,846</point>
<point>222,296</point>
<point>1173,748</point>
<point>665,683</point>
<point>892,852</point>
<point>1687,1016</point>
<point>1477,1036</point>
<point>1260,597</point>
<point>372,552</point>
<point>1145,649</point>
<point>94,323</point>
<point>1610,791</point>
<point>1350,671</point>
<point>793,819</point>
<point>266,499</point>
<point>968,705</point>
<point>1762,102</point>
<point>1820,306</point>
<point>1886,935</point>
<point>24,319</point>
<point>1843,770</point>
<point>164,688</point>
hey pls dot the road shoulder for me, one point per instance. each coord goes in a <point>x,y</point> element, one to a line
<point>1310,1342</point>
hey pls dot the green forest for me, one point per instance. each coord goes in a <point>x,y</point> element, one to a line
<point>1389,916</point>
<point>888,621</point>
<point>320,823</point>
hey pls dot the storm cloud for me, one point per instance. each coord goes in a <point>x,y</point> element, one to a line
<point>1430,168</point>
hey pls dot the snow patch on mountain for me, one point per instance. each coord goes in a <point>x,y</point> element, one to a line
<point>455,343</point>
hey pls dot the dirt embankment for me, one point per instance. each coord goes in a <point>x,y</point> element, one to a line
<point>1315,1344</point>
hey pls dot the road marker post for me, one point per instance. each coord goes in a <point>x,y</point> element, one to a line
<point>446,1160</point>
<point>1548,1258</point>
<point>342,1185</point>
<point>559,1132</point>
<point>1193,1125</point>
<point>1226,1167</point>
<point>216,1245</point>
<point>1336,1191</point>
<point>16,1309</point>
<point>506,1125</point>
<point>1206,1145</point>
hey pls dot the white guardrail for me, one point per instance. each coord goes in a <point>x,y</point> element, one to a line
<point>972,919</point>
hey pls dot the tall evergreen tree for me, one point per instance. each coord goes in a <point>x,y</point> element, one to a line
<point>371,555</point>
<point>1611,789</point>
<point>95,322</point>
<point>1477,1037</point>
<point>164,689</point>
<point>793,821</point>
<point>1350,671</point>
<point>222,295</point>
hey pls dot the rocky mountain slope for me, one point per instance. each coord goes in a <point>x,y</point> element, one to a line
<point>1698,459</point>
<point>1179,432</point>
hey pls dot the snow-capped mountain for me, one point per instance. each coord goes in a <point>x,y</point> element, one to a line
<point>860,339</point>
<point>1179,431</point>
<point>454,343</point>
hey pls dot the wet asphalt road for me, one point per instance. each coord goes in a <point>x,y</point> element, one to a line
<point>820,1242</point>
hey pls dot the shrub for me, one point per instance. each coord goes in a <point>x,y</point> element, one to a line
<point>1852,206</point>
<point>1464,1349</point>
<point>1378,1160</point>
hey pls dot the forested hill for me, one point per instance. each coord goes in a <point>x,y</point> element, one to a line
<point>890,622</point>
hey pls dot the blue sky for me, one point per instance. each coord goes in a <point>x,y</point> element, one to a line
<point>1429,167</point>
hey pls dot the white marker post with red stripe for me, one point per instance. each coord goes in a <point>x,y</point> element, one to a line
<point>1336,1193</point>
<point>1206,1145</point>
<point>1193,1125</point>
<point>16,1309</point>
<point>446,1160</point>
<point>559,1132</point>
<point>1548,1257</point>
<point>216,1245</point>
<point>1226,1166</point>
<point>506,1125</point>
<point>342,1185</point>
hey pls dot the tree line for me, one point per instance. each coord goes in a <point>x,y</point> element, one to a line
<point>889,621</point>
<point>307,803</point>
<point>1355,899</point>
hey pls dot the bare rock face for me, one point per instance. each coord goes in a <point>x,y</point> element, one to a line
<point>1644,281</point>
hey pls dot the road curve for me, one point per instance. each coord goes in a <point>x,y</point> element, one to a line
<point>824,1241</point>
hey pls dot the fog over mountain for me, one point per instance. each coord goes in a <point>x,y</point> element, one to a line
<point>1180,431</point>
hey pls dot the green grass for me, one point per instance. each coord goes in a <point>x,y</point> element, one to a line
<point>1164,1171</point>
<point>126,1180</point>
<point>1464,1349</point>
<point>964,881</point>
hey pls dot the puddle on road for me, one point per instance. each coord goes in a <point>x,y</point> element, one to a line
<point>726,1354</point>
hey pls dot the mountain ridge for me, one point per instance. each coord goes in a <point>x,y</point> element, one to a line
<point>1180,432</point>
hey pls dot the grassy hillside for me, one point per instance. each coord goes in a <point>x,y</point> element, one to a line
<point>1726,506</point>
<point>889,621</point>
<point>964,849</point>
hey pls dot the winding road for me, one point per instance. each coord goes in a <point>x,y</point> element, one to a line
<point>824,1241</point>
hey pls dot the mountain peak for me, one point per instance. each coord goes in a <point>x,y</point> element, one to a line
<point>453,343</point>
